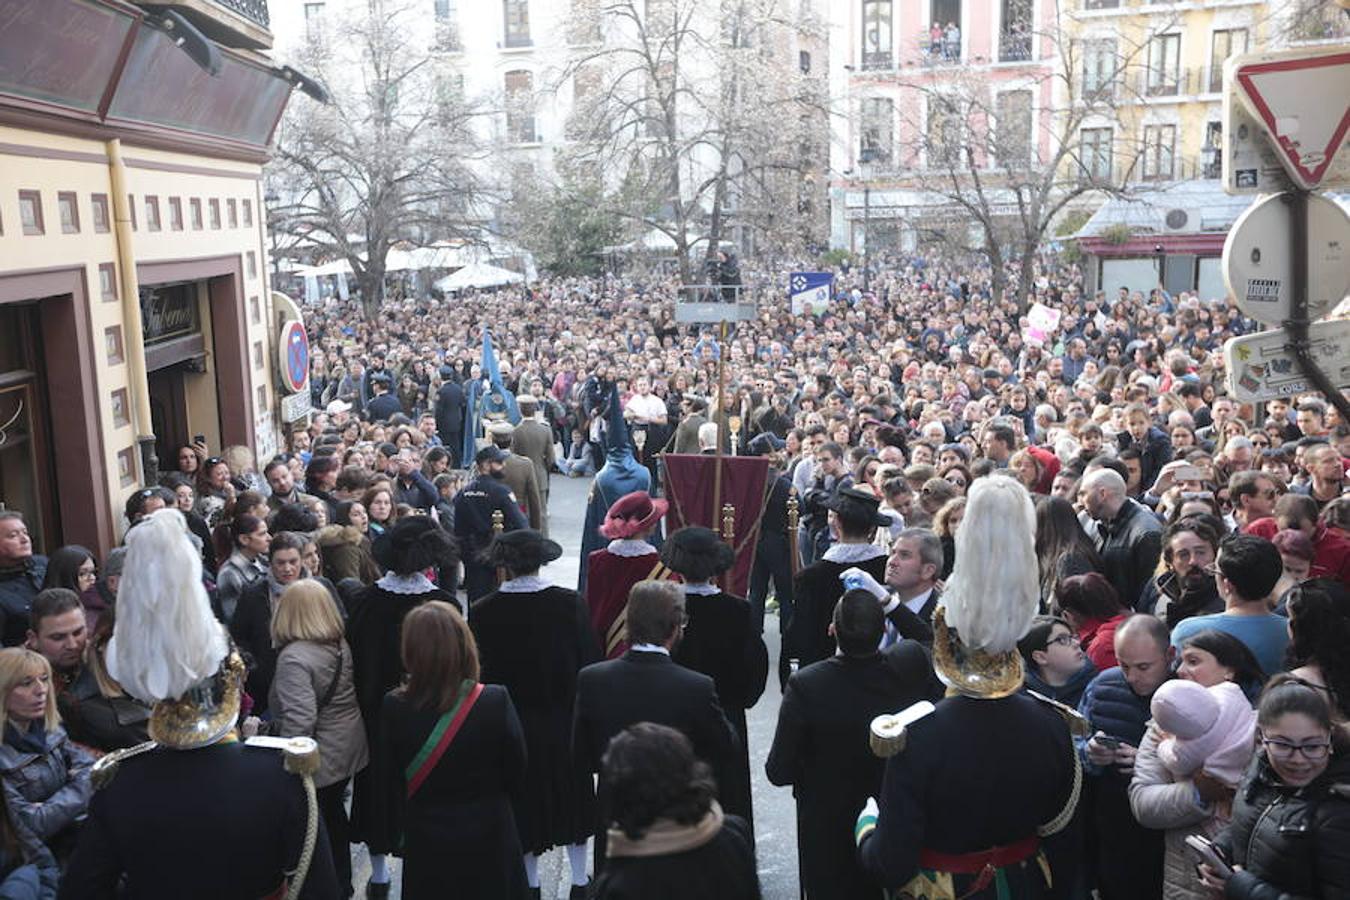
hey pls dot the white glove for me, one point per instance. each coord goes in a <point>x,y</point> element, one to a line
<point>857,579</point>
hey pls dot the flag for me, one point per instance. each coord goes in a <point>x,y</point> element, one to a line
<point>689,481</point>
<point>810,291</point>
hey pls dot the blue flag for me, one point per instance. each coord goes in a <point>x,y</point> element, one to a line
<point>486,397</point>
<point>810,291</point>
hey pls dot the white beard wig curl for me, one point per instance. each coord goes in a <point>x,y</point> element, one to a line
<point>994,590</point>
<point>166,639</point>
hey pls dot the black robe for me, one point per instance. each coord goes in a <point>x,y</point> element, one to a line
<point>722,869</point>
<point>534,644</point>
<point>721,642</point>
<point>457,835</point>
<point>815,592</point>
<point>375,635</point>
<point>821,748</point>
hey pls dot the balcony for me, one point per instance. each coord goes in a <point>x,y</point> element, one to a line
<point>1015,46</point>
<point>230,23</point>
<point>1152,83</point>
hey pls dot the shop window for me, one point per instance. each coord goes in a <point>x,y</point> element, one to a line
<point>214,206</point>
<point>152,213</point>
<point>112,344</point>
<point>30,212</point>
<point>107,282</point>
<point>98,204</point>
<point>121,408</point>
<point>195,209</point>
<point>68,207</point>
<point>175,214</point>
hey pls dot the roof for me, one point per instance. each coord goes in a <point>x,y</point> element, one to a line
<point>1205,206</point>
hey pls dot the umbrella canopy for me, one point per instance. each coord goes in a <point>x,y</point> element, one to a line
<point>478,275</point>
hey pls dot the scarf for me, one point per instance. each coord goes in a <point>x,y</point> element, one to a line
<point>665,837</point>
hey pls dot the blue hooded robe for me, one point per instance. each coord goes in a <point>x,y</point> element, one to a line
<point>479,403</point>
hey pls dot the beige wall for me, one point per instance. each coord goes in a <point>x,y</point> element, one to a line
<point>51,164</point>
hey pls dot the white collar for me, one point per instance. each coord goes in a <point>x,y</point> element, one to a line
<point>649,648</point>
<point>525,584</point>
<point>629,547</point>
<point>853,553</point>
<point>416,583</point>
<point>702,590</point>
<point>916,603</point>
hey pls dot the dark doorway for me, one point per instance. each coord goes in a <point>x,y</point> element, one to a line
<point>26,482</point>
<point>168,413</point>
<point>945,14</point>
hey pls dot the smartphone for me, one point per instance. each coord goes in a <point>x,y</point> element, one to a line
<point>1188,473</point>
<point>1205,851</point>
<point>1105,740</point>
<point>199,439</point>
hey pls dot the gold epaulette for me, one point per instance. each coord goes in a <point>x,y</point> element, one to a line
<point>105,767</point>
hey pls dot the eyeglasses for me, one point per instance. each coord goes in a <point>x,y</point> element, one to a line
<point>1314,752</point>
<point>1064,640</point>
<point>213,460</point>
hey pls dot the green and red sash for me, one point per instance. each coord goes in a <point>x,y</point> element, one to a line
<point>439,740</point>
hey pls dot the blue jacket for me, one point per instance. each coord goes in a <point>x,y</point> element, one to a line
<point>1113,707</point>
<point>18,587</point>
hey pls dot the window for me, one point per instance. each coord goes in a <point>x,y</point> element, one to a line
<point>447,25</point>
<point>1095,147</point>
<point>112,345</point>
<point>804,61</point>
<point>945,133</point>
<point>195,205</point>
<point>251,264</point>
<point>1099,69</point>
<point>520,107</point>
<point>584,26</point>
<point>878,130</point>
<point>98,203</point>
<point>107,282</point>
<point>1224,43</point>
<point>214,207</point>
<point>1101,4</point>
<point>68,208</point>
<point>1015,41</point>
<point>1160,143</point>
<point>314,21</point>
<point>876,34</point>
<point>30,212</point>
<point>232,213</point>
<point>517,13</point>
<point>1164,65</point>
<point>1211,152</point>
<point>1013,129</point>
<point>248,213</point>
<point>175,214</point>
<point>585,90</point>
<point>254,310</point>
<point>131,206</point>
<point>152,213</point>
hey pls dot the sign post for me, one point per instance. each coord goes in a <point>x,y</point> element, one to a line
<point>1300,99</point>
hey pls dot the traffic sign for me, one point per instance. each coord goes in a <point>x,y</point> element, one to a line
<point>1302,100</point>
<point>1262,366</point>
<point>1259,252</point>
<point>294,349</point>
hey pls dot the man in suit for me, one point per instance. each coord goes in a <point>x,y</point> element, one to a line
<point>450,414</point>
<point>912,572</point>
<point>646,685</point>
<point>821,748</point>
<point>520,477</point>
<point>686,433</point>
<point>533,440</point>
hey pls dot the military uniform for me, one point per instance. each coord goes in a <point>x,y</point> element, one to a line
<point>474,506</point>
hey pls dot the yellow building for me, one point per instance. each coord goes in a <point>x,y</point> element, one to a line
<point>134,300</point>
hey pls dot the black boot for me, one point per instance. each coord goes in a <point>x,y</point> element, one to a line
<point>377,890</point>
<point>579,891</point>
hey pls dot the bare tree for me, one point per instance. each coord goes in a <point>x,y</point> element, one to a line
<point>974,142</point>
<point>695,108</point>
<point>389,158</point>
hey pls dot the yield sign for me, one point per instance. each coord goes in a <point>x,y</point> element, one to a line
<point>1303,101</point>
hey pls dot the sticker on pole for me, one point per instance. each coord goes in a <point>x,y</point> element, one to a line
<point>1258,258</point>
<point>1302,100</point>
<point>1262,366</point>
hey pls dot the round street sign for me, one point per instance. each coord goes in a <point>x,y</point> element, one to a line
<point>1258,258</point>
<point>294,347</point>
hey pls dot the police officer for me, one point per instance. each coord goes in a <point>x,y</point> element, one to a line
<point>474,506</point>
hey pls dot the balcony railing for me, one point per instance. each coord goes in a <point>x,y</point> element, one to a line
<point>1150,82</point>
<point>253,10</point>
<point>1014,47</point>
<point>232,23</point>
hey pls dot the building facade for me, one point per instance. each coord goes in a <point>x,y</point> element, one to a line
<point>135,311</point>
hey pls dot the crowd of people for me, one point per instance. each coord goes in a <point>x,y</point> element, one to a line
<point>1186,557</point>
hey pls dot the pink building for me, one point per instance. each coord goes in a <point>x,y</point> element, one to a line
<point>933,86</point>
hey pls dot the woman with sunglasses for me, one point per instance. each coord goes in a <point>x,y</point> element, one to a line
<point>1290,831</point>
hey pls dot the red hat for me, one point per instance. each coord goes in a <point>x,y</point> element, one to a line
<point>632,514</point>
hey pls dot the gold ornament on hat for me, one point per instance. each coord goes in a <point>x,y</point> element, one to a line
<point>973,673</point>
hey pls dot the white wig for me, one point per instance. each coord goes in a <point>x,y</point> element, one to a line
<point>166,639</point>
<point>994,590</point>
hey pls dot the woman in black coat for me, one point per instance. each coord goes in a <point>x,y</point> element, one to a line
<point>445,795</point>
<point>668,838</point>
<point>1290,831</point>
<point>533,639</point>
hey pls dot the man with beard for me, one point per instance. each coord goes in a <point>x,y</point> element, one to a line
<point>474,506</point>
<point>1184,588</point>
<point>57,631</point>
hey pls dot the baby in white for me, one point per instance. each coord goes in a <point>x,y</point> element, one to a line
<point>1213,729</point>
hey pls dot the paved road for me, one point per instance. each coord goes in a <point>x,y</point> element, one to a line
<point>775,818</point>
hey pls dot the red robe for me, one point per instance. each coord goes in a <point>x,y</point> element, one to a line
<point>609,577</point>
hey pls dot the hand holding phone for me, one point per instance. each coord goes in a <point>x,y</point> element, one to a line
<point>1209,853</point>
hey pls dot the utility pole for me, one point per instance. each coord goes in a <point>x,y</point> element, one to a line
<point>867,234</point>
